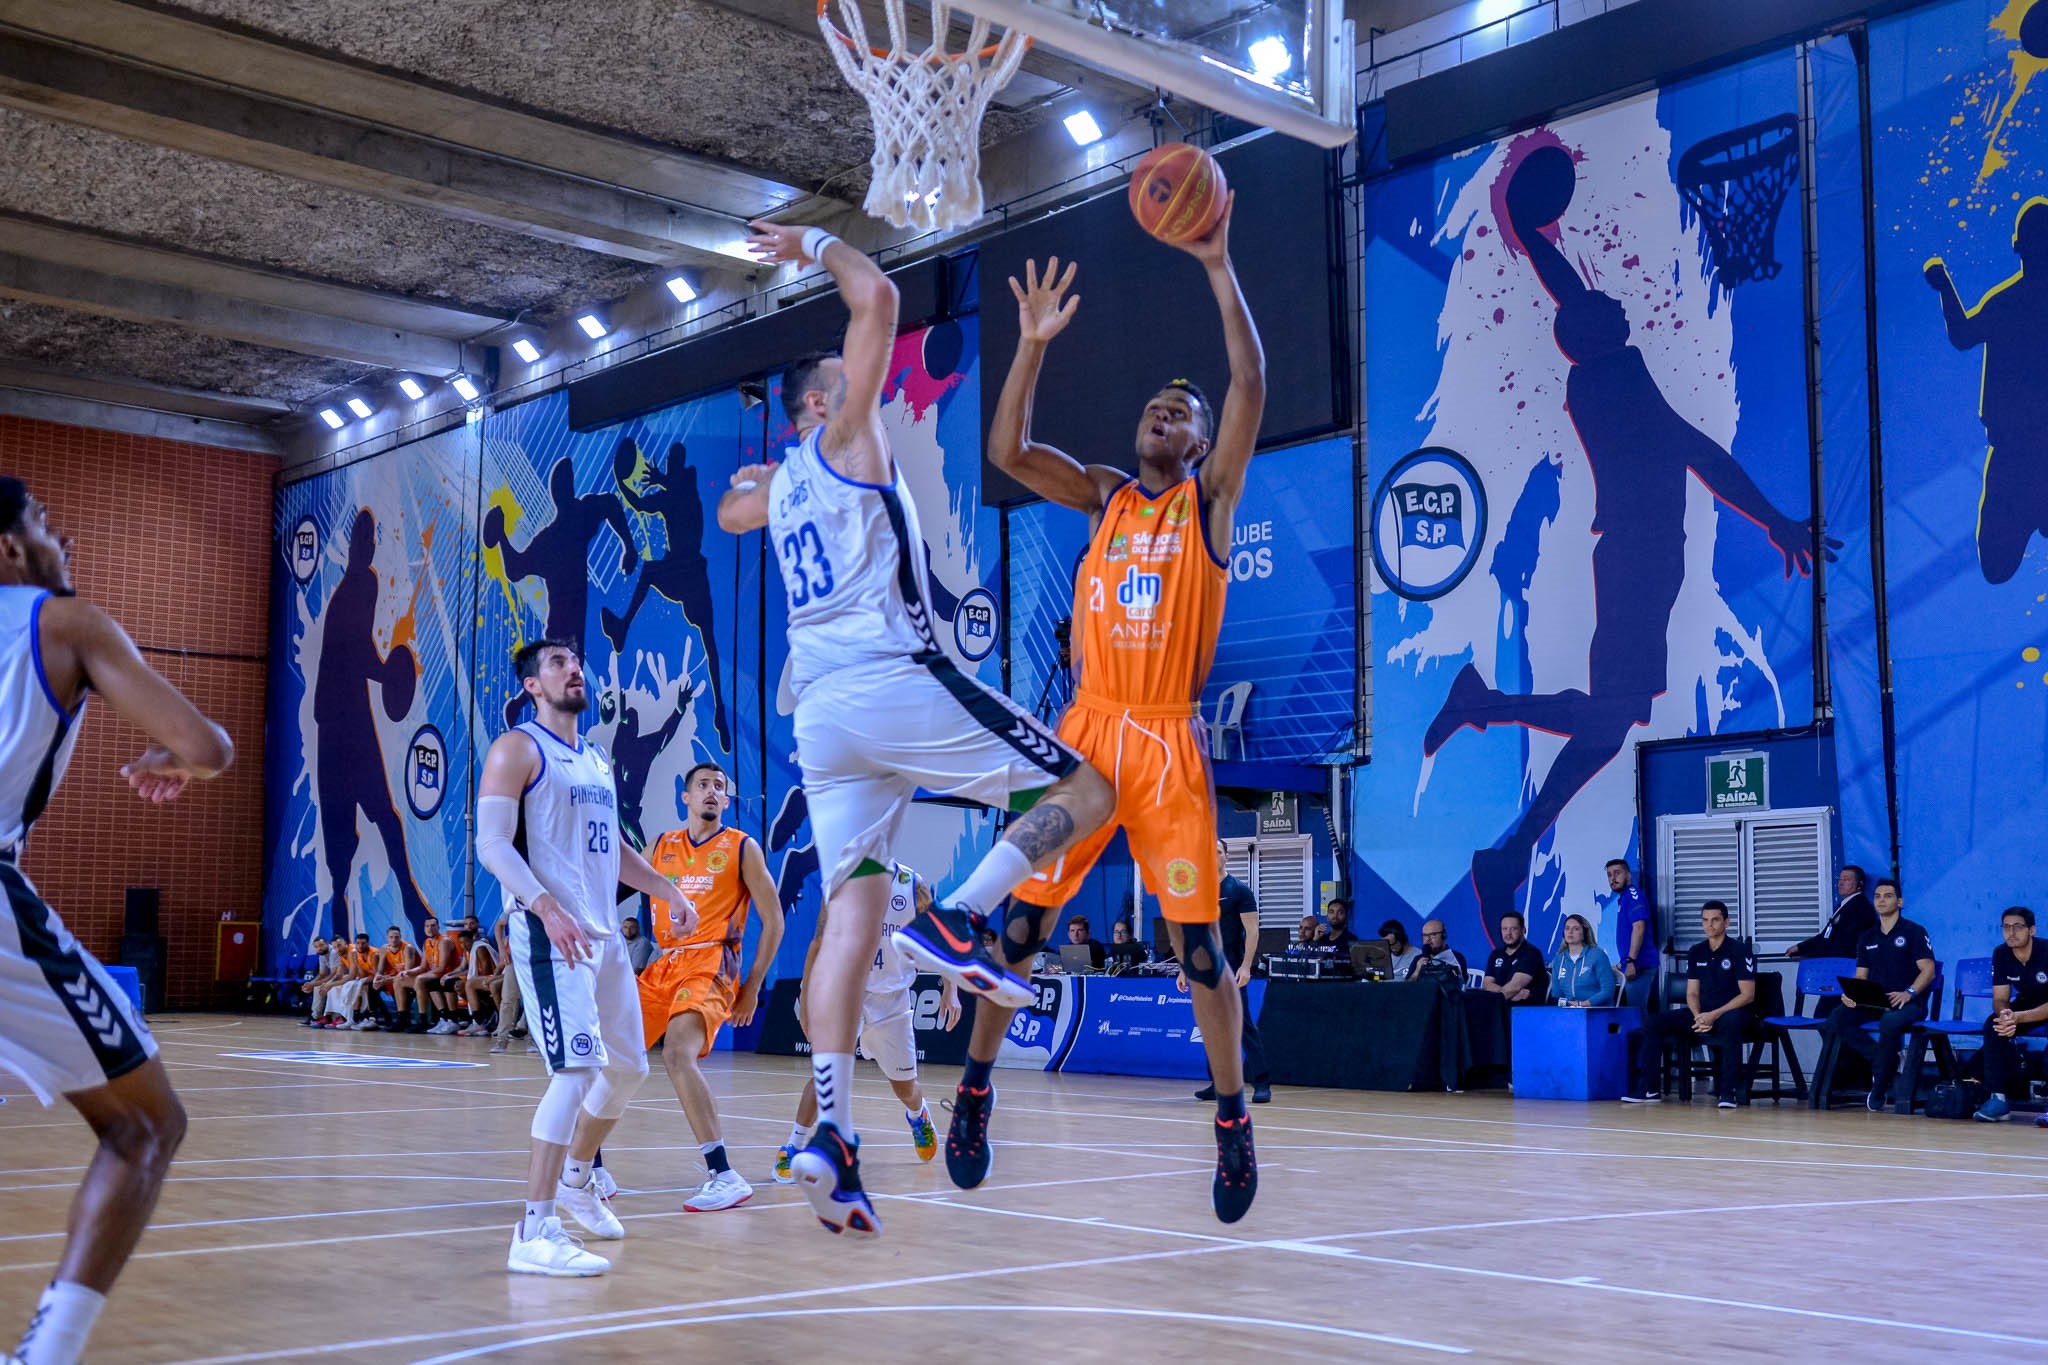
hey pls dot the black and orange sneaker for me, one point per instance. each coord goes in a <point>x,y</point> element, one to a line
<point>948,941</point>
<point>1237,1169</point>
<point>828,1173</point>
<point>968,1153</point>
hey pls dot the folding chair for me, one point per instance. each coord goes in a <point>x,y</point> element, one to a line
<point>1817,978</point>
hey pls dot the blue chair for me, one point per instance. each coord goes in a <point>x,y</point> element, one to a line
<point>1817,979</point>
<point>1942,1036</point>
<point>1824,1069</point>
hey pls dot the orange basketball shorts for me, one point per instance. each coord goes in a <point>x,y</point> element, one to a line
<point>1165,804</point>
<point>690,980</point>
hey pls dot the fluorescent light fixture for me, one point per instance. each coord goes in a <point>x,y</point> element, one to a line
<point>410,387</point>
<point>592,328</point>
<point>681,288</point>
<point>1082,127</point>
<point>333,419</point>
<point>464,387</point>
<point>1270,56</point>
<point>359,407</point>
<point>526,350</point>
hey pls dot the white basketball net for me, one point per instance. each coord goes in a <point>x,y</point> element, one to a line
<point>927,107</point>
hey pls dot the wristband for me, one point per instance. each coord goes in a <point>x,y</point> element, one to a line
<point>815,241</point>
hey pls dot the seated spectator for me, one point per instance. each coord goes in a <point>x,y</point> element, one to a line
<point>1897,956</point>
<point>1436,954</point>
<point>479,983</point>
<point>417,982</point>
<point>450,998</point>
<point>1338,937</point>
<point>2019,1009</point>
<point>1516,969</point>
<point>1720,989</point>
<point>1081,936</point>
<point>1581,973</point>
<point>1854,917</point>
<point>1395,935</point>
<point>640,948</point>
<point>395,959</point>
<point>324,976</point>
<point>345,1001</point>
<point>1124,951</point>
<point>1310,931</point>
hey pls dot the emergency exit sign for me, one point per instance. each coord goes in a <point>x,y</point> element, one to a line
<point>1738,782</point>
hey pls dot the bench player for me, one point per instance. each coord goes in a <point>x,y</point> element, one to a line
<point>880,709</point>
<point>1147,609</point>
<point>65,1028</point>
<point>689,992</point>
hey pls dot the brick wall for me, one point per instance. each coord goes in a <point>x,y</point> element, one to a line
<point>175,540</point>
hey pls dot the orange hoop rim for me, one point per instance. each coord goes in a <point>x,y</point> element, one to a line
<point>987,54</point>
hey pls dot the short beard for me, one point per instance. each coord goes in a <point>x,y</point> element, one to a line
<point>570,705</point>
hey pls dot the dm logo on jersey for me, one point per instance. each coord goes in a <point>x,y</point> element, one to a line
<point>1180,877</point>
<point>974,625</point>
<point>716,862</point>
<point>1139,593</point>
<point>303,549</point>
<point>1428,523</point>
<point>1177,510</point>
<point>426,772</point>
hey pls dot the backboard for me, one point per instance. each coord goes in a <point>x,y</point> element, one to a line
<point>1288,65</point>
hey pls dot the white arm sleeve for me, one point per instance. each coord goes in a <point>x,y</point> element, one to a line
<point>496,819</point>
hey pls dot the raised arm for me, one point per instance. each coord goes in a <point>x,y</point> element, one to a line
<point>1966,331</point>
<point>614,513</point>
<point>744,506</point>
<point>1244,404</point>
<point>1044,308</point>
<point>83,647</point>
<point>768,906</point>
<point>1725,477</point>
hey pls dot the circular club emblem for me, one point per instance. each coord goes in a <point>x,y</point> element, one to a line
<point>716,862</point>
<point>1177,510</point>
<point>302,550</point>
<point>2041,976</point>
<point>1180,877</point>
<point>1428,522</point>
<point>581,1045</point>
<point>426,772</point>
<point>1899,942</point>
<point>974,625</point>
<point>1724,964</point>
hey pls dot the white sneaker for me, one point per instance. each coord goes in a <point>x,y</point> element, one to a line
<point>552,1252</point>
<point>362,1025</point>
<point>586,1208</point>
<point>726,1190</point>
<point>445,1026</point>
<point>601,1181</point>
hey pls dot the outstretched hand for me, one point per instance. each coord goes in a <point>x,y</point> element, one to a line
<point>1795,540</point>
<point>1213,249</point>
<point>752,476</point>
<point>1935,272</point>
<point>1043,308</point>
<point>156,774</point>
<point>777,243</point>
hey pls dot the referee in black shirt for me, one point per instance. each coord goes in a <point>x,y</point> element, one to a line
<point>1720,988</point>
<point>2019,1009</point>
<point>1897,956</point>
<point>1238,923</point>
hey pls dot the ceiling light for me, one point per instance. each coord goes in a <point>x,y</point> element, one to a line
<point>410,387</point>
<point>592,328</point>
<point>359,407</point>
<point>464,387</point>
<point>1082,127</point>
<point>526,350</point>
<point>333,419</point>
<point>1270,56</point>
<point>681,288</point>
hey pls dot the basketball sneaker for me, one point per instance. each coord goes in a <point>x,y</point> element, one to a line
<point>587,1208</point>
<point>724,1190</point>
<point>968,1153</point>
<point>828,1173</point>
<point>946,941</point>
<point>601,1181</point>
<point>552,1252</point>
<point>922,1135</point>
<point>1237,1169</point>
<point>783,1156</point>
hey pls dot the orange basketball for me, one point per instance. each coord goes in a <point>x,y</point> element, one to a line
<point>1178,192</point>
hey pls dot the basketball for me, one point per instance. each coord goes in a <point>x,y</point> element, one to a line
<point>1542,188</point>
<point>2034,31</point>
<point>1178,193</point>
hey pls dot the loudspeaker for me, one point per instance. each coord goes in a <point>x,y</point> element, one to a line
<point>147,954</point>
<point>140,910</point>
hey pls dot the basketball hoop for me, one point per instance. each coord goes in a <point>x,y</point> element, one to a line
<point>927,107</point>
<point>1736,183</point>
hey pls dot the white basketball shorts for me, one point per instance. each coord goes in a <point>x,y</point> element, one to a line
<point>587,1015</point>
<point>888,1033</point>
<point>64,1025</point>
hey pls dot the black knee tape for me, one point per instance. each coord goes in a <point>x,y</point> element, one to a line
<point>1022,938</point>
<point>1201,956</point>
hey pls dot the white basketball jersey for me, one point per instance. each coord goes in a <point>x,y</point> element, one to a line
<point>853,566</point>
<point>892,972</point>
<point>36,736</point>
<point>569,830</point>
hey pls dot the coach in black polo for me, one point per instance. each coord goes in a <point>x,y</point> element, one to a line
<point>2019,1008</point>
<point>1516,968</point>
<point>1720,988</point>
<point>1897,956</point>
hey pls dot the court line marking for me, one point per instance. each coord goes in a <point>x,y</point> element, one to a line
<point>1227,1319</point>
<point>304,1115</point>
<point>938,1196</point>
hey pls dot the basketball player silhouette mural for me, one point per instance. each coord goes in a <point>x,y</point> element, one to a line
<point>558,552</point>
<point>635,747</point>
<point>1639,452</point>
<point>351,757</point>
<point>2011,323</point>
<point>682,574</point>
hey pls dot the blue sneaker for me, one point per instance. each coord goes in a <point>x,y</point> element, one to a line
<point>828,1173</point>
<point>922,1135</point>
<point>1994,1110</point>
<point>946,941</point>
<point>783,1156</point>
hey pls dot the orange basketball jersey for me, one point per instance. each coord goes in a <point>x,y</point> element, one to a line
<point>1149,599</point>
<point>709,874</point>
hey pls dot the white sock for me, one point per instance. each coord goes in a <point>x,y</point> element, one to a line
<point>1001,871</point>
<point>915,1114</point>
<point>538,1211</point>
<point>575,1174</point>
<point>833,1074</point>
<point>63,1320</point>
<point>799,1136</point>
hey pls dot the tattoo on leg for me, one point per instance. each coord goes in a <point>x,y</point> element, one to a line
<point>1043,831</point>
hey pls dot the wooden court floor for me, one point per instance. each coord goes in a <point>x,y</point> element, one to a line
<point>329,1214</point>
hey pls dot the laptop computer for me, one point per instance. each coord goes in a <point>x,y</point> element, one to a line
<point>1078,959</point>
<point>1371,958</point>
<point>1864,991</point>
